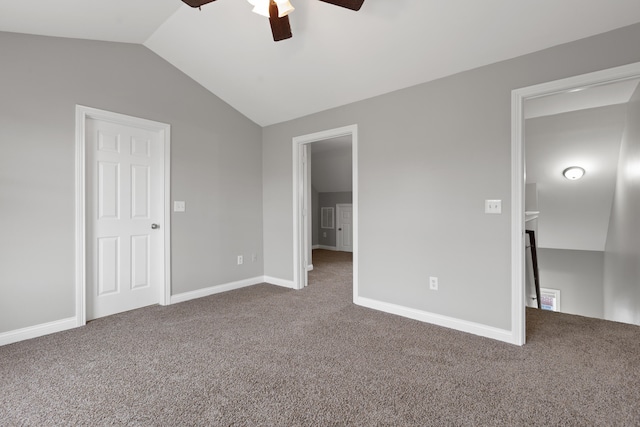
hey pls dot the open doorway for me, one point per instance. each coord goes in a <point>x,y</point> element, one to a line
<point>331,192</point>
<point>315,222</point>
<point>331,209</point>
<point>570,216</point>
<point>520,98</point>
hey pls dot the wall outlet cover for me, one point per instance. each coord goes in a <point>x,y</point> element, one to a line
<point>493,206</point>
<point>179,206</point>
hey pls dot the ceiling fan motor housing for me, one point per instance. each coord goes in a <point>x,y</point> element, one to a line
<point>349,4</point>
<point>197,3</point>
<point>280,26</point>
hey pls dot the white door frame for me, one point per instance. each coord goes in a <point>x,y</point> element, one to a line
<point>300,230</point>
<point>82,115</point>
<point>518,97</point>
<point>339,207</point>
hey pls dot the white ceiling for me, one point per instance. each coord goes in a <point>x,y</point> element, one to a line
<point>581,99</point>
<point>336,56</point>
<point>574,214</point>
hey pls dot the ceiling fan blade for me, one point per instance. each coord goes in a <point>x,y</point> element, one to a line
<point>197,3</point>
<point>349,4</point>
<point>280,27</point>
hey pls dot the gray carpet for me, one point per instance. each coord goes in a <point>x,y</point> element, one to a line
<point>269,356</point>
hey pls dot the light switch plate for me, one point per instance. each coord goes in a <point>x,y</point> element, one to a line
<point>179,206</point>
<point>493,206</point>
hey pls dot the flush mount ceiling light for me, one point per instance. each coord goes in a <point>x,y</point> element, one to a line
<point>573,173</point>
<point>278,10</point>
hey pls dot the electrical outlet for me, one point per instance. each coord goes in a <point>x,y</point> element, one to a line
<point>179,206</point>
<point>493,206</point>
<point>240,260</point>
<point>433,283</point>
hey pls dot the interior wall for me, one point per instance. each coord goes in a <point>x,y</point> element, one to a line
<point>331,169</point>
<point>216,167</point>
<point>327,236</point>
<point>578,275</point>
<point>429,156</point>
<point>622,253</point>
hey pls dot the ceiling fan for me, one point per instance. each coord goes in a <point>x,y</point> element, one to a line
<point>278,12</point>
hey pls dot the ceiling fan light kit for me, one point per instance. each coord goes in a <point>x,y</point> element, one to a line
<point>284,8</point>
<point>278,12</point>
<point>260,7</point>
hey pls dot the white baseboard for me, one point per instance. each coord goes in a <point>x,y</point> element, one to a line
<point>278,282</point>
<point>37,330</point>
<point>328,248</point>
<point>315,247</point>
<point>70,323</point>
<point>437,319</point>
<point>205,292</point>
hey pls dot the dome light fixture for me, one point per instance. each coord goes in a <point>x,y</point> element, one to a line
<point>573,173</point>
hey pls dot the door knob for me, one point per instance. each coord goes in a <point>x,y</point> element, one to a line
<point>154,226</point>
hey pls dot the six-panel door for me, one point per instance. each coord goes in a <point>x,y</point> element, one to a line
<point>124,200</point>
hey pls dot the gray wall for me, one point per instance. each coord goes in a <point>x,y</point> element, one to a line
<point>331,167</point>
<point>215,167</point>
<point>578,275</point>
<point>330,200</point>
<point>622,253</point>
<point>428,157</point>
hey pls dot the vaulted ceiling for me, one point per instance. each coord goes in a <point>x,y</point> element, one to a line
<point>336,56</point>
<point>576,128</point>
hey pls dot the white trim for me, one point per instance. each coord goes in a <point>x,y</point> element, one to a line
<point>212,290</point>
<point>518,97</point>
<point>299,142</point>
<point>37,330</point>
<point>279,282</point>
<point>164,130</point>
<point>310,267</point>
<point>327,248</point>
<point>437,319</point>
<point>315,247</point>
<point>518,302</point>
<point>80,248</point>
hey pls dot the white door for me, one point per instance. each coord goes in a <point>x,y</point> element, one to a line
<point>344,222</point>
<point>125,247</point>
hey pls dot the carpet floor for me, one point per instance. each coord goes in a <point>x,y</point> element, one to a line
<point>269,356</point>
